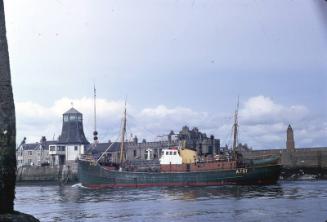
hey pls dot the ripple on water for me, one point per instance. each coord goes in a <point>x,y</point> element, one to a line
<point>294,201</point>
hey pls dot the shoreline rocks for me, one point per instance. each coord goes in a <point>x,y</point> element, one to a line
<point>17,217</point>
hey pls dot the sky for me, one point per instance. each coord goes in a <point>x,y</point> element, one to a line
<point>178,62</point>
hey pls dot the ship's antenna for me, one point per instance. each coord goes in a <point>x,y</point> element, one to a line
<point>123,132</point>
<point>95,133</point>
<point>235,126</point>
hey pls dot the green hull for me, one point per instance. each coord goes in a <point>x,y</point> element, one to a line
<point>96,176</point>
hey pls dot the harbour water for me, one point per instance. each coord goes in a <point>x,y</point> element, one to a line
<point>286,201</point>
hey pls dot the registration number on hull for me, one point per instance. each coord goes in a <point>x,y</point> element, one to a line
<point>241,171</point>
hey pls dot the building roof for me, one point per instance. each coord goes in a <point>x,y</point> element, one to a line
<point>101,147</point>
<point>51,142</point>
<point>31,146</point>
<point>72,111</point>
<point>36,146</point>
<point>72,133</point>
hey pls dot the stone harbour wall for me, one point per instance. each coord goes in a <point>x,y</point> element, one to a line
<point>298,161</point>
<point>65,173</point>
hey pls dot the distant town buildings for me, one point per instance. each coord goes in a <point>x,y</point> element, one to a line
<point>198,141</point>
<point>34,153</point>
<point>72,143</point>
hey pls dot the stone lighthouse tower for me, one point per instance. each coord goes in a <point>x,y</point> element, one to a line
<point>72,128</point>
<point>72,141</point>
<point>290,144</point>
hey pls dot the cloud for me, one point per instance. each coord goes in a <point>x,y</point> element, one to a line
<point>260,109</point>
<point>159,120</point>
<point>263,122</point>
<point>169,117</point>
<point>35,120</point>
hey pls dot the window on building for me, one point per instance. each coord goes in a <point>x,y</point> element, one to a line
<point>30,153</point>
<point>65,118</point>
<point>52,148</point>
<point>170,153</point>
<point>29,161</point>
<point>75,148</point>
<point>167,153</point>
<point>72,117</point>
<point>79,117</point>
<point>134,153</point>
<point>61,148</point>
<point>175,153</point>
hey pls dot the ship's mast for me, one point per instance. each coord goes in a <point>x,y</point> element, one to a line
<point>123,132</point>
<point>235,127</point>
<point>95,133</point>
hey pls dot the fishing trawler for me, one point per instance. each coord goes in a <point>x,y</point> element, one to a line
<point>178,166</point>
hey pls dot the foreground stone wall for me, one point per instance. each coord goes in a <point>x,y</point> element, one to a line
<point>17,217</point>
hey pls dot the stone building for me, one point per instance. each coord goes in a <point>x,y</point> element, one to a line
<point>198,141</point>
<point>133,150</point>
<point>71,142</point>
<point>34,153</point>
<point>68,148</point>
<point>144,150</point>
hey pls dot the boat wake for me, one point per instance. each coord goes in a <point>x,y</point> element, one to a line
<point>308,177</point>
<point>79,185</point>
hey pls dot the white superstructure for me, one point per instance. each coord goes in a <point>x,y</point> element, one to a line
<point>170,156</point>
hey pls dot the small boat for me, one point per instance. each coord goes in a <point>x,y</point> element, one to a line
<point>178,166</point>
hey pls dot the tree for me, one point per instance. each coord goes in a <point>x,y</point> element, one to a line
<point>7,125</point>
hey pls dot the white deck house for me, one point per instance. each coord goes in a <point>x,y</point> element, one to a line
<point>170,156</point>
